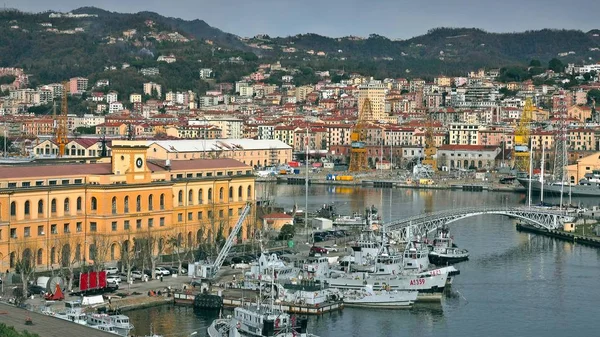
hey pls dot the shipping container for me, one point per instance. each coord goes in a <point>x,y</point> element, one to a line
<point>296,171</point>
<point>294,164</point>
<point>317,164</point>
<point>340,168</point>
<point>92,280</point>
<point>328,165</point>
<point>425,182</point>
<point>344,178</point>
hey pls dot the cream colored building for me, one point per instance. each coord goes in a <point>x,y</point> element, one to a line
<point>375,92</point>
<point>248,151</point>
<point>135,98</point>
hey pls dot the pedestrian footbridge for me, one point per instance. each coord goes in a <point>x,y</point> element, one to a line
<point>426,223</point>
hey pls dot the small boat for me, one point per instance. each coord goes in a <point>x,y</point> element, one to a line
<point>259,320</point>
<point>443,251</point>
<point>120,323</point>
<point>368,298</point>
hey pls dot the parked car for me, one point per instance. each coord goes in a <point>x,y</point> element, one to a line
<point>162,271</point>
<point>331,249</point>
<point>111,270</point>
<point>115,279</point>
<point>35,289</point>
<point>122,276</point>
<point>318,250</point>
<point>136,274</point>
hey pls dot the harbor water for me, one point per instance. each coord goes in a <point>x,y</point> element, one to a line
<point>515,284</point>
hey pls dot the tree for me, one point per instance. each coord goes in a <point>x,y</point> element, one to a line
<point>179,247</point>
<point>152,248</point>
<point>25,264</point>
<point>68,257</point>
<point>556,65</point>
<point>2,144</point>
<point>593,95</point>
<point>85,130</point>
<point>98,251</point>
<point>287,232</point>
<point>535,63</point>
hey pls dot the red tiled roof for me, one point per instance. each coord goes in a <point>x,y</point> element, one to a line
<point>277,216</point>
<point>66,170</point>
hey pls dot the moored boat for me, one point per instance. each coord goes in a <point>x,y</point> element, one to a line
<point>368,298</point>
<point>444,251</point>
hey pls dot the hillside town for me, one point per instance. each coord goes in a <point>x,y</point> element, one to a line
<point>475,113</point>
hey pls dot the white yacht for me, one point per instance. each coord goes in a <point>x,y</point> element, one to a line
<point>388,299</point>
<point>120,323</point>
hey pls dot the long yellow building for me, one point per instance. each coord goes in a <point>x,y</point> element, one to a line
<point>73,213</point>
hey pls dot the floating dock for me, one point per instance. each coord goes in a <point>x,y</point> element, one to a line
<point>318,309</point>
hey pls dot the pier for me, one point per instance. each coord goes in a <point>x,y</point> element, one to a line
<point>291,308</point>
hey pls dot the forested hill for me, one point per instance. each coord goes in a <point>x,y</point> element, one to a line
<point>458,44</point>
<point>52,49</point>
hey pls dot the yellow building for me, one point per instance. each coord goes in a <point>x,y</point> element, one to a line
<point>87,213</point>
<point>584,165</point>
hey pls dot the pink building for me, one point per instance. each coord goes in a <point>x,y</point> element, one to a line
<point>78,85</point>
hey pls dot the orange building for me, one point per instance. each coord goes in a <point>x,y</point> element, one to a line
<point>90,213</point>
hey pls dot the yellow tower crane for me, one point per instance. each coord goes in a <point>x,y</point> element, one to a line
<point>61,123</point>
<point>522,145</point>
<point>358,137</point>
<point>430,148</point>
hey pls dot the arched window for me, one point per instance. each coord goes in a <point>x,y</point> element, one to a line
<point>150,202</point>
<point>41,207</point>
<point>94,204</point>
<point>78,204</point>
<point>209,194</point>
<point>66,205</point>
<point>162,201</point>
<point>221,194</point>
<point>114,205</point>
<point>200,197</point>
<point>27,207</point>
<point>190,197</point>
<point>231,193</point>
<point>53,255</point>
<point>240,192</point>
<point>73,150</point>
<point>53,206</point>
<point>126,204</point>
<point>249,192</point>
<point>13,209</point>
<point>40,256</point>
<point>180,197</point>
<point>138,203</point>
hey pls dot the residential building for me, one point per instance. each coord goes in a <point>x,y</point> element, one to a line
<point>205,73</point>
<point>375,92</point>
<point>467,156</point>
<point>78,85</point>
<point>151,88</point>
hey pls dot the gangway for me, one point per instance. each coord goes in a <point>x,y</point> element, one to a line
<point>209,270</point>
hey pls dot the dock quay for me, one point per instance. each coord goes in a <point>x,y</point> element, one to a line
<point>292,308</point>
<point>45,326</point>
<point>584,240</point>
<point>237,297</point>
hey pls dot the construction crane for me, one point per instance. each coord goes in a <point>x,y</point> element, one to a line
<point>523,139</point>
<point>430,149</point>
<point>210,270</point>
<point>61,123</point>
<point>358,137</point>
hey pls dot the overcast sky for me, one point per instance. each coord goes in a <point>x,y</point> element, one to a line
<point>392,18</point>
